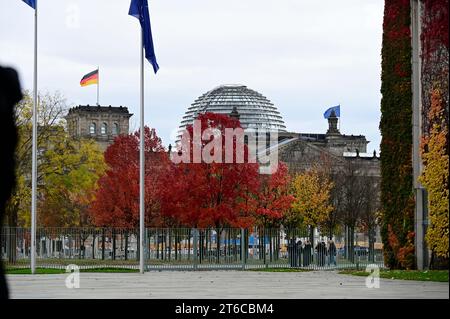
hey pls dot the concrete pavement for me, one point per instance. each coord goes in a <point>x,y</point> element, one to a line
<point>220,284</point>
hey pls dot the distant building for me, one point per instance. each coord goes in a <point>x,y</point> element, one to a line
<point>255,110</point>
<point>301,150</point>
<point>101,123</point>
<point>298,150</point>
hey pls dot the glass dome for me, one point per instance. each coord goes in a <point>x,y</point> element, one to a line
<point>255,110</point>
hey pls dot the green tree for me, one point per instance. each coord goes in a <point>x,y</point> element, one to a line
<point>51,109</point>
<point>67,169</point>
<point>70,173</point>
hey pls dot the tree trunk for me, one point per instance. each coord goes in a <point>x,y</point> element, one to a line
<point>371,245</point>
<point>200,246</point>
<point>103,243</point>
<point>170,242</point>
<point>264,245</point>
<point>113,252</point>
<point>157,243</point>
<point>218,233</point>
<point>176,244</point>
<point>189,243</point>
<point>270,245</point>
<point>93,244</point>
<point>351,242</point>
<point>126,245</point>
<point>138,247</point>
<point>311,239</point>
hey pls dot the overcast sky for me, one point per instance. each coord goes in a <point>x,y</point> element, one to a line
<point>303,55</point>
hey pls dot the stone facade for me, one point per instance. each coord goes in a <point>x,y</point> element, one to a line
<point>302,150</point>
<point>102,123</point>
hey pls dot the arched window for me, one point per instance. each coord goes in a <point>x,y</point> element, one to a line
<point>115,129</point>
<point>93,128</point>
<point>104,129</point>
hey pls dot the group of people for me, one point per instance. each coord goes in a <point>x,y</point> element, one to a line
<point>302,254</point>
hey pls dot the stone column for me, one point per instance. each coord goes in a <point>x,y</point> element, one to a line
<point>419,191</point>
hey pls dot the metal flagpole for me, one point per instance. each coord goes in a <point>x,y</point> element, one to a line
<point>142,166</point>
<point>98,84</point>
<point>34,153</point>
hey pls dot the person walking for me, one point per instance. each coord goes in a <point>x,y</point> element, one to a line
<point>331,253</point>
<point>321,250</point>
<point>299,252</point>
<point>307,250</point>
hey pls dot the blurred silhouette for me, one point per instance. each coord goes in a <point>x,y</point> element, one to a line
<point>307,251</point>
<point>10,94</point>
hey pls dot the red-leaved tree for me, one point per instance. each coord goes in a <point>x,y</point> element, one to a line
<point>117,198</point>
<point>274,198</point>
<point>215,194</point>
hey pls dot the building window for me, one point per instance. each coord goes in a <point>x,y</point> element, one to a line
<point>104,129</point>
<point>93,128</point>
<point>115,129</point>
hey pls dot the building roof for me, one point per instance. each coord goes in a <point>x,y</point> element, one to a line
<point>255,110</point>
<point>98,108</point>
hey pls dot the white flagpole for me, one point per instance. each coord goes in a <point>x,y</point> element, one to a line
<point>142,167</point>
<point>34,153</point>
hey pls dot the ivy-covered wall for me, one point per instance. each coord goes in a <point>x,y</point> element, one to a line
<point>397,198</point>
<point>435,115</point>
<point>434,56</point>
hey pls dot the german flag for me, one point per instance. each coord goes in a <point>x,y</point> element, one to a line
<point>90,78</point>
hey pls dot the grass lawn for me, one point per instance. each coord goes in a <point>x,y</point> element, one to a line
<point>427,275</point>
<point>41,271</point>
<point>278,270</point>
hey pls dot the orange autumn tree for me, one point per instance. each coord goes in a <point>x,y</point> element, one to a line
<point>434,150</point>
<point>312,195</point>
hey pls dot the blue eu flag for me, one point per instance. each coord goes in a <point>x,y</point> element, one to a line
<point>139,10</point>
<point>336,109</point>
<point>31,3</point>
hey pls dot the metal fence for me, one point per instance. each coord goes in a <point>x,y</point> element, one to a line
<point>186,249</point>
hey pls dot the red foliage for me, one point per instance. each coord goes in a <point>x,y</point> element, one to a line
<point>404,253</point>
<point>435,26</point>
<point>273,197</point>
<point>397,214</point>
<point>435,55</point>
<point>117,198</point>
<point>213,194</point>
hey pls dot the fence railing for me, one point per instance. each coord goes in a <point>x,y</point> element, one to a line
<point>185,249</point>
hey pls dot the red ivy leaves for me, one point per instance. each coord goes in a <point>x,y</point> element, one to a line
<point>435,25</point>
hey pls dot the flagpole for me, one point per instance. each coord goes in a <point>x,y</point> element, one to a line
<point>34,153</point>
<point>142,166</point>
<point>98,84</point>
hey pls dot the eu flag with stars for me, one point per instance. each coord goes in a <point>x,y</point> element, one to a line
<point>336,109</point>
<point>139,10</point>
<point>31,3</point>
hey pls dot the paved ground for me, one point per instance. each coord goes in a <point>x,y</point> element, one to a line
<point>220,284</point>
